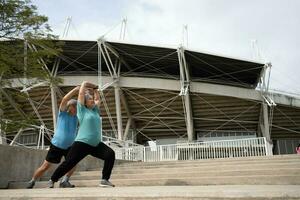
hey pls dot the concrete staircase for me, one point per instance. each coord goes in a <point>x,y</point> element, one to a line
<point>276,177</point>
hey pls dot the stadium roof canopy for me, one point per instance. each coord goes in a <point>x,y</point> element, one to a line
<point>81,57</point>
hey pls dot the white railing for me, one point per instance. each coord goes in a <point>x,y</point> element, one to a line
<point>208,150</point>
<point>131,153</point>
<point>125,150</point>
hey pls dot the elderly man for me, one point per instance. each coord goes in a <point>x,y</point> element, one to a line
<point>63,138</point>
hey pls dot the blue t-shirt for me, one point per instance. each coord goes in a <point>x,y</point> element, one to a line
<point>89,125</point>
<point>65,130</point>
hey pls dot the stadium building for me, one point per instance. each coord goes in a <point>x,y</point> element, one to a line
<point>160,94</point>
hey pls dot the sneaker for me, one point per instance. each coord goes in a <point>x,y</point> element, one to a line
<point>66,184</point>
<point>30,184</point>
<point>106,183</point>
<point>50,184</point>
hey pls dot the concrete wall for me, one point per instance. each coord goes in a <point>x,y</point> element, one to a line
<point>19,164</point>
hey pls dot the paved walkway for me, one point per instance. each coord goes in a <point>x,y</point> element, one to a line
<point>160,192</point>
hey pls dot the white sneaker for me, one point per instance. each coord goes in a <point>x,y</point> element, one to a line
<point>50,184</point>
<point>30,184</point>
<point>106,183</point>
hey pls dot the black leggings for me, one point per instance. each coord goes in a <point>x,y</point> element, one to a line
<point>78,151</point>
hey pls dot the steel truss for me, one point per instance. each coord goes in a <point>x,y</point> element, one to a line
<point>106,53</point>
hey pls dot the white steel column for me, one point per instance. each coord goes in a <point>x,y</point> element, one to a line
<point>118,112</point>
<point>189,118</point>
<point>267,104</point>
<point>260,123</point>
<point>130,122</point>
<point>53,94</point>
<point>118,100</point>
<point>266,130</point>
<point>185,92</point>
<point>54,105</point>
<point>114,71</point>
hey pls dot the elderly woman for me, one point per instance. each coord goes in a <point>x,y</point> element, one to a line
<point>88,140</point>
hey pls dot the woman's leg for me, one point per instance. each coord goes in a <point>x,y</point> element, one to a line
<point>69,173</point>
<point>105,153</point>
<point>78,151</point>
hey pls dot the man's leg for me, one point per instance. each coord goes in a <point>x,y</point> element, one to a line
<point>53,156</point>
<point>38,173</point>
<point>42,169</point>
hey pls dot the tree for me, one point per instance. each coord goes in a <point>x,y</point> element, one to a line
<point>20,22</point>
<point>26,46</point>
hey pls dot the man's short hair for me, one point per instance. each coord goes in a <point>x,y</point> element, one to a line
<point>71,102</point>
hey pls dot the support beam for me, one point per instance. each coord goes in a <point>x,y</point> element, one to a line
<point>174,85</point>
<point>53,94</point>
<point>266,131</point>
<point>45,67</point>
<point>267,102</point>
<point>114,70</point>
<point>130,122</point>
<point>54,105</point>
<point>189,118</point>
<point>185,93</point>
<point>118,112</point>
<point>13,103</point>
<point>38,114</point>
<point>260,123</point>
<point>16,136</point>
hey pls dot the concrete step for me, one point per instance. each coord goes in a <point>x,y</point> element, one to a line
<point>190,173</point>
<point>206,163</point>
<point>219,160</point>
<point>273,179</point>
<point>225,192</point>
<point>178,169</point>
<point>262,170</point>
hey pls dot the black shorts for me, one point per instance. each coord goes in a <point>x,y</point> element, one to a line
<point>54,154</point>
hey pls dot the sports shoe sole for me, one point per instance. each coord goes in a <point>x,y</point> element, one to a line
<point>107,186</point>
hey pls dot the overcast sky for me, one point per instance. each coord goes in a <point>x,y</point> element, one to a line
<point>225,27</point>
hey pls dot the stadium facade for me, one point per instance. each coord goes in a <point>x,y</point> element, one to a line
<point>157,93</point>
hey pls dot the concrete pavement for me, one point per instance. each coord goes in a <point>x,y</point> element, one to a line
<point>159,192</point>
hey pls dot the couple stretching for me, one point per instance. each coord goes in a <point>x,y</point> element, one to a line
<point>75,148</point>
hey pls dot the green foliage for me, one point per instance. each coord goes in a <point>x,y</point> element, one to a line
<point>20,24</point>
<point>20,18</point>
<point>26,46</point>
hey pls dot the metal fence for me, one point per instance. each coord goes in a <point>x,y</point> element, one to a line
<point>208,150</point>
<point>125,150</point>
